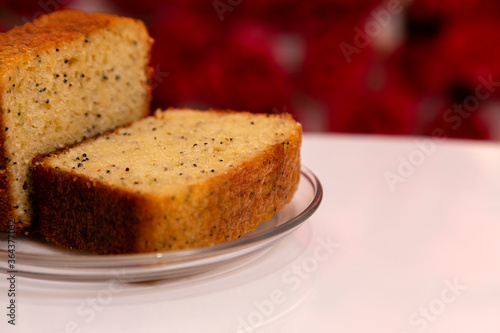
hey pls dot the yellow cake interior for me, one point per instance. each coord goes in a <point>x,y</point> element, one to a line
<point>176,148</point>
<point>73,90</point>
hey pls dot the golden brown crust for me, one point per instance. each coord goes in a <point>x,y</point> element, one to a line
<point>52,29</point>
<point>106,219</point>
<point>48,31</point>
<point>97,228</point>
<point>6,210</point>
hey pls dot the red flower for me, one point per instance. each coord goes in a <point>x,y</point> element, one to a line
<point>424,67</point>
<point>472,51</point>
<point>213,67</point>
<point>277,14</point>
<point>456,121</point>
<point>384,105</point>
<point>332,59</point>
<point>443,50</point>
<point>183,40</point>
<point>316,16</point>
<point>452,10</point>
<point>445,39</point>
<point>246,75</point>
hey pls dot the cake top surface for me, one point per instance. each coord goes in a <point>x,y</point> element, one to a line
<point>175,147</point>
<point>51,29</point>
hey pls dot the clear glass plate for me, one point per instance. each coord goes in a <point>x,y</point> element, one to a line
<point>36,258</point>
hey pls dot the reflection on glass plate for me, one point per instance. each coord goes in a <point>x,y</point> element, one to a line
<point>39,259</point>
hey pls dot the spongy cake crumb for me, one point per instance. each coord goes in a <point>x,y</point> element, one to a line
<point>176,148</point>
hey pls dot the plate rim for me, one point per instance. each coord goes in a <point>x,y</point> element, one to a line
<point>176,257</point>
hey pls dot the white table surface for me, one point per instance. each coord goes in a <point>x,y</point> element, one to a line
<point>419,253</point>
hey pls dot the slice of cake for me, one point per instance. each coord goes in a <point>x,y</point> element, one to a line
<point>179,179</point>
<point>66,76</point>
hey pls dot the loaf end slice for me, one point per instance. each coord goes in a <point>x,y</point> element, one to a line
<point>176,180</point>
<point>65,77</point>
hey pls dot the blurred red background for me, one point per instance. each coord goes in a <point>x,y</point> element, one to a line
<point>417,67</point>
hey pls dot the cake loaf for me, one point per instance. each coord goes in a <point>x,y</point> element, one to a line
<point>64,77</point>
<point>178,179</point>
